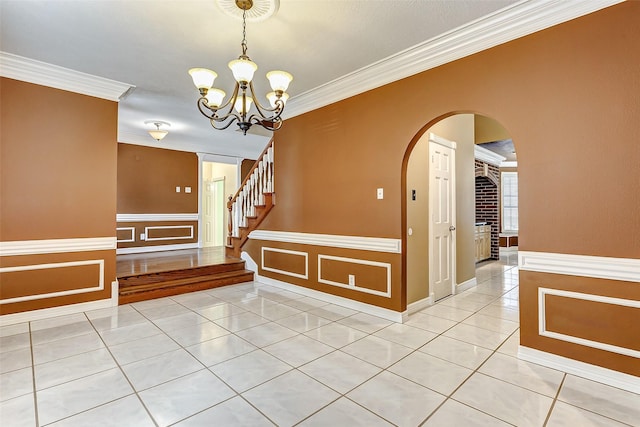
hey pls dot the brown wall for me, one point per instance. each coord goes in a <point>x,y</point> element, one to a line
<point>148,177</point>
<point>147,181</point>
<point>568,97</point>
<point>58,181</point>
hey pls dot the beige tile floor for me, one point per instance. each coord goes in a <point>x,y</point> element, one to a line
<point>255,355</point>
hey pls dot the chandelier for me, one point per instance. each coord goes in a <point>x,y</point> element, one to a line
<point>211,102</point>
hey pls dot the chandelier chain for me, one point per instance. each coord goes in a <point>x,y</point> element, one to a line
<point>244,33</point>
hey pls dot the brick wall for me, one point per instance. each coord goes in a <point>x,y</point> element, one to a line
<point>488,201</point>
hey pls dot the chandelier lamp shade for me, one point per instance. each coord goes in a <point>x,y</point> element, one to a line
<point>243,106</point>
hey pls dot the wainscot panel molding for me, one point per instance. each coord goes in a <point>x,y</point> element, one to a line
<point>156,217</point>
<point>155,248</point>
<point>627,269</point>
<point>581,369</point>
<point>98,284</point>
<point>305,255</point>
<point>384,313</point>
<point>44,74</point>
<point>187,236</point>
<point>50,246</point>
<point>355,287</point>
<point>542,327</point>
<point>376,244</point>
<point>507,24</point>
<point>132,237</point>
<point>30,316</point>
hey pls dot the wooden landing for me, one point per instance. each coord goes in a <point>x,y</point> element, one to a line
<point>160,274</point>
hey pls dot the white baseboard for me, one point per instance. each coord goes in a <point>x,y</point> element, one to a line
<point>419,305</point>
<point>585,370</point>
<point>30,316</point>
<point>157,248</point>
<point>467,284</point>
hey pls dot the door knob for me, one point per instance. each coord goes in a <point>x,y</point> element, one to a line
<point>452,228</point>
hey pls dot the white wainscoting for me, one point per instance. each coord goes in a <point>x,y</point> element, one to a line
<point>131,230</point>
<point>355,287</point>
<point>627,269</point>
<point>52,246</point>
<point>96,286</point>
<point>156,217</point>
<point>168,227</point>
<point>287,273</point>
<point>376,244</point>
<point>542,327</point>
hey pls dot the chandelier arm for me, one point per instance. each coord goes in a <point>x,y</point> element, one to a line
<point>202,102</point>
<point>262,108</point>
<point>273,124</point>
<point>231,99</point>
<point>214,121</point>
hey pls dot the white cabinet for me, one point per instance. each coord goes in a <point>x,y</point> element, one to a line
<point>483,242</point>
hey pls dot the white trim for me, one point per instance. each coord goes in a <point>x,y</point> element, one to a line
<point>512,22</point>
<point>133,234</point>
<point>373,310</point>
<point>581,369</point>
<point>155,248</point>
<point>63,310</point>
<point>44,74</point>
<point>442,141</point>
<point>509,164</point>
<point>542,326</point>
<point>355,287</point>
<point>377,244</point>
<point>467,284</point>
<point>156,217</point>
<point>416,306</point>
<point>218,158</point>
<point>32,297</point>
<point>487,156</point>
<point>166,227</point>
<point>287,273</point>
<point>50,246</point>
<point>626,269</point>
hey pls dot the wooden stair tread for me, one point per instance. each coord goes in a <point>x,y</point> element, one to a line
<point>133,288</point>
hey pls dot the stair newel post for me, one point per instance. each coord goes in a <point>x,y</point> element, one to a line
<point>229,220</point>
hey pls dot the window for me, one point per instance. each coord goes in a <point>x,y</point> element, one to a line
<point>509,182</point>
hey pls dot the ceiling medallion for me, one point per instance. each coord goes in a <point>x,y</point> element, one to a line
<point>260,10</point>
<point>211,102</point>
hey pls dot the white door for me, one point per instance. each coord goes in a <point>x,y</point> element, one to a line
<point>442,199</point>
<point>213,213</point>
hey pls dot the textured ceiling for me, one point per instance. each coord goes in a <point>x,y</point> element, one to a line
<point>152,44</point>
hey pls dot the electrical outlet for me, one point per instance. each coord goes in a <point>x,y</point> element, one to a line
<point>143,236</point>
<point>352,280</point>
<point>380,193</point>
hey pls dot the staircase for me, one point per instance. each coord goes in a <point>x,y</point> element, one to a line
<point>146,286</point>
<point>251,204</point>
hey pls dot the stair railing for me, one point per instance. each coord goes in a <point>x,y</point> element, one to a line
<point>250,197</point>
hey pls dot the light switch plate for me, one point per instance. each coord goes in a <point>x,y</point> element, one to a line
<point>187,189</point>
<point>380,193</point>
<point>177,189</point>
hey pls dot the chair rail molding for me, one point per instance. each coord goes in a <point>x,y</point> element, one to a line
<point>376,244</point>
<point>49,246</point>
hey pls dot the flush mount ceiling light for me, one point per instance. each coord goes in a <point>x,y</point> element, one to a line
<point>212,103</point>
<point>158,134</point>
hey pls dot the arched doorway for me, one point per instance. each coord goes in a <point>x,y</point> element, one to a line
<point>417,265</point>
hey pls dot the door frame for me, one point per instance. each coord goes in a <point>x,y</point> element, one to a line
<point>213,158</point>
<point>435,139</point>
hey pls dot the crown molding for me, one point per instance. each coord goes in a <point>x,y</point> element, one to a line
<point>44,74</point>
<point>488,156</point>
<point>521,19</point>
